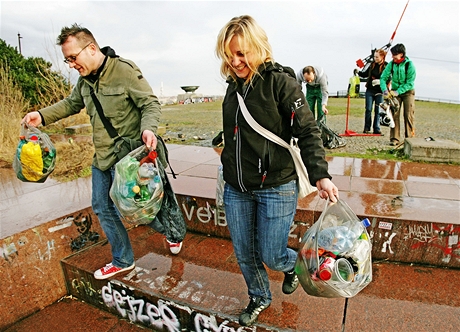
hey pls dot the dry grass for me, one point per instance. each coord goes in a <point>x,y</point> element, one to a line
<point>12,105</point>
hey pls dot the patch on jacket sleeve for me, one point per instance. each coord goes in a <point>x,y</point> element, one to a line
<point>298,104</point>
<point>140,77</point>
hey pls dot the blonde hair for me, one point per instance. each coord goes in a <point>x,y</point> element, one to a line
<point>251,38</point>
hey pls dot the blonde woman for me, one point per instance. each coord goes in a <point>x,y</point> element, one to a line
<point>260,194</point>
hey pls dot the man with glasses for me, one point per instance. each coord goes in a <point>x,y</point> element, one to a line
<point>129,104</point>
<point>401,71</point>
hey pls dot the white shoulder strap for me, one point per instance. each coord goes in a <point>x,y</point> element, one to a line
<point>257,127</point>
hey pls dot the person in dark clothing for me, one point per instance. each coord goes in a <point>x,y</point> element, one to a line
<point>374,96</point>
<point>260,193</point>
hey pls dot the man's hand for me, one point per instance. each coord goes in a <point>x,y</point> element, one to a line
<point>325,110</point>
<point>32,119</point>
<point>150,140</point>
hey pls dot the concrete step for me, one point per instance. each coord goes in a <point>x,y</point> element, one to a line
<point>202,289</point>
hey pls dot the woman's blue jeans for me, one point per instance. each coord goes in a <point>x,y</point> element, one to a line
<point>372,99</point>
<point>259,222</point>
<point>109,218</point>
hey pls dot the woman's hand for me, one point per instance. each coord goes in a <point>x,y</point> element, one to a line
<point>327,189</point>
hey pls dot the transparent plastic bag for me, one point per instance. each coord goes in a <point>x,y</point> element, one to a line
<point>35,156</point>
<point>220,187</point>
<point>137,188</point>
<point>334,259</point>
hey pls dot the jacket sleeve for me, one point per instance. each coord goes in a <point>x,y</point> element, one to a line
<point>324,91</point>
<point>141,93</point>
<point>70,105</point>
<point>385,76</point>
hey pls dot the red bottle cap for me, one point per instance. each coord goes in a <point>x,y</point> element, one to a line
<point>153,154</point>
<point>325,274</point>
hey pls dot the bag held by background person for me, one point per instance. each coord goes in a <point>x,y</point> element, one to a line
<point>334,259</point>
<point>35,156</point>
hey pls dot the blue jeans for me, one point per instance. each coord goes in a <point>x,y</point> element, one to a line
<point>109,218</point>
<point>259,222</point>
<point>372,99</point>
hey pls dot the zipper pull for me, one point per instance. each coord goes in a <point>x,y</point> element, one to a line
<point>263,179</point>
<point>235,130</point>
<point>292,116</point>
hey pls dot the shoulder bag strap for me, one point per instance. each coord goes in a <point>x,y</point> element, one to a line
<point>257,127</point>
<point>108,126</point>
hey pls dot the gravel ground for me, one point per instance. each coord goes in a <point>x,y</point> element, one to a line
<point>445,127</point>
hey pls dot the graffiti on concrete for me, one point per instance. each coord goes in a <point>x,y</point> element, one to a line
<point>205,214</point>
<point>387,244</point>
<point>158,316</point>
<point>84,287</point>
<point>443,237</point>
<point>162,316</point>
<point>204,323</point>
<point>83,222</point>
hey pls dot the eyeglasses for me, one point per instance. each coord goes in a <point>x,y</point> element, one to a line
<point>73,58</point>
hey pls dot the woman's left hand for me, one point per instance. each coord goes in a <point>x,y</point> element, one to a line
<point>327,189</point>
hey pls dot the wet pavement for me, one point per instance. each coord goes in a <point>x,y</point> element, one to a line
<point>417,202</point>
<point>204,282</point>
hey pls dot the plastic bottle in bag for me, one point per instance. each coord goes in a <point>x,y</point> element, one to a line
<point>143,194</point>
<point>336,239</point>
<point>357,228</point>
<point>127,190</point>
<point>150,158</point>
<point>145,173</point>
<point>31,159</point>
<point>48,157</point>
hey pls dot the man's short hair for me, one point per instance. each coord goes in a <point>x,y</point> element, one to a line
<point>398,48</point>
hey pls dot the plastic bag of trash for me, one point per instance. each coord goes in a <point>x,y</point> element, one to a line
<point>334,259</point>
<point>137,188</point>
<point>35,156</point>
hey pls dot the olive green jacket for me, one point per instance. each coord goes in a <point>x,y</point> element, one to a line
<point>126,98</point>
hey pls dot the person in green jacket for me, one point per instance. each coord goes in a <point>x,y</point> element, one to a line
<point>401,71</point>
<point>130,105</point>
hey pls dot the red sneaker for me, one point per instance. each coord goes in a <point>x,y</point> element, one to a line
<point>110,270</point>
<point>174,247</point>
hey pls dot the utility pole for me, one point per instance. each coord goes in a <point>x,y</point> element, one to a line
<point>19,42</point>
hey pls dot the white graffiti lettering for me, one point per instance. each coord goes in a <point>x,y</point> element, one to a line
<point>205,214</point>
<point>138,311</point>
<point>387,243</point>
<point>422,233</point>
<point>209,324</point>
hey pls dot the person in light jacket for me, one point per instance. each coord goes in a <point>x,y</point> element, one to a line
<point>130,105</point>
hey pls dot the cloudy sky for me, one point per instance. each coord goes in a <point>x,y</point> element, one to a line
<point>173,41</point>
